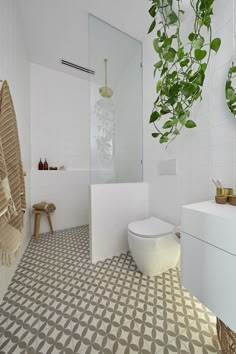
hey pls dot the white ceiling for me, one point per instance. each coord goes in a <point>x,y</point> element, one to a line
<point>56,29</point>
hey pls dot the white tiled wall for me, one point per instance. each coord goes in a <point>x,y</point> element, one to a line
<point>15,69</point>
<point>204,152</point>
<point>59,118</point>
<point>68,190</point>
<point>60,133</point>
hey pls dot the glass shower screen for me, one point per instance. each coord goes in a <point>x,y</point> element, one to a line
<point>116,105</point>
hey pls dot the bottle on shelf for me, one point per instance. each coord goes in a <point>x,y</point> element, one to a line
<point>45,165</point>
<point>40,165</point>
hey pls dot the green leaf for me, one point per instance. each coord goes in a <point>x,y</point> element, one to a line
<point>176,132</point>
<point>154,116</point>
<point>232,70</point>
<point>164,70</point>
<point>182,118</point>
<point>169,55</point>
<point>188,90</point>
<point>153,10</point>
<point>198,43</point>
<point>172,18</point>
<point>184,63</point>
<point>158,85</point>
<point>207,21</point>
<point>190,124</point>
<point>180,53</point>
<point>229,93</point>
<point>158,65</point>
<point>192,36</point>
<point>203,67</point>
<point>167,42</point>
<point>155,135</point>
<point>163,140</point>
<point>156,45</point>
<point>168,124</point>
<point>153,25</point>
<point>164,109</point>
<point>215,44</point>
<point>228,84</point>
<point>200,54</point>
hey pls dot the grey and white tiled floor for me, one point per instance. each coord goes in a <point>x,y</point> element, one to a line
<point>58,302</point>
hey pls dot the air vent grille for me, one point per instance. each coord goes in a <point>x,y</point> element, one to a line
<point>77,67</point>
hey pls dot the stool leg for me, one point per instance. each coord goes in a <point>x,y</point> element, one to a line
<point>37,225</point>
<point>50,222</point>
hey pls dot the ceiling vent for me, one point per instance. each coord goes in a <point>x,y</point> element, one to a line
<point>77,67</point>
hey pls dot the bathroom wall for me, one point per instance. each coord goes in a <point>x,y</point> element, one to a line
<point>60,132</point>
<point>204,152</point>
<point>14,68</point>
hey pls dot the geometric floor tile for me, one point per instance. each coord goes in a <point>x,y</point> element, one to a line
<point>58,302</point>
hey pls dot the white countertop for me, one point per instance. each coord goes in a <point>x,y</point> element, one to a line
<point>212,223</point>
<point>211,207</point>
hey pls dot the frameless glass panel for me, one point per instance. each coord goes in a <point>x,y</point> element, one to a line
<point>116,109</point>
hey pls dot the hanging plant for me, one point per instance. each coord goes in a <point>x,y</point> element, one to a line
<point>230,91</point>
<point>181,67</point>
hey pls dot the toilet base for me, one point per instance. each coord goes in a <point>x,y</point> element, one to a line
<point>154,256</point>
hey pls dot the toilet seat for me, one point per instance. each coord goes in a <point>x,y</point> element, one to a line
<point>150,228</point>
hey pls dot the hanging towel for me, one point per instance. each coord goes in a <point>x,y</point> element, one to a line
<point>12,188</point>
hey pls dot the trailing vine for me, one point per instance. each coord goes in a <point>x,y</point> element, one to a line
<point>230,91</point>
<point>181,67</point>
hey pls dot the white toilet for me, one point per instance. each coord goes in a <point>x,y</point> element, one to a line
<point>153,245</point>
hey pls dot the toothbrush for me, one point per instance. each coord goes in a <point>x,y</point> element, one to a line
<point>219,183</point>
<point>214,182</point>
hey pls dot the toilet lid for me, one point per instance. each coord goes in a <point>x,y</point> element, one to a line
<point>151,227</point>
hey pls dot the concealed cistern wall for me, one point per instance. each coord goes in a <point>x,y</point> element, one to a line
<point>201,153</point>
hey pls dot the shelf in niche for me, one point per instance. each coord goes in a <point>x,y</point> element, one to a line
<point>59,171</point>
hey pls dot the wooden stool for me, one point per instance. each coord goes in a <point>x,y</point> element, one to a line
<point>38,214</point>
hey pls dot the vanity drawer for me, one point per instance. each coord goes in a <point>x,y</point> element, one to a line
<point>209,273</point>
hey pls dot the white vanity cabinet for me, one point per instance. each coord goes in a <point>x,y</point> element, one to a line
<point>208,257</point>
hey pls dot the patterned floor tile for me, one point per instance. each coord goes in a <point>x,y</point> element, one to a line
<point>58,302</point>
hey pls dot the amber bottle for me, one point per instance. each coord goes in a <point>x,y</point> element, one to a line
<point>45,165</point>
<point>40,165</point>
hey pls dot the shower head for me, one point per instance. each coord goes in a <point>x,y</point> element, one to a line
<point>106,91</point>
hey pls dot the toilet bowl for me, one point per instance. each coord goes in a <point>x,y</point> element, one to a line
<point>153,245</point>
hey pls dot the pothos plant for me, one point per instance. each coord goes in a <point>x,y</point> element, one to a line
<point>181,66</point>
<point>230,91</point>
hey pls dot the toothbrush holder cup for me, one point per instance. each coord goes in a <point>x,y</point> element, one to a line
<point>224,192</point>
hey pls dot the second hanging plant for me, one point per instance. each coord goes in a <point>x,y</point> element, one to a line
<point>181,66</point>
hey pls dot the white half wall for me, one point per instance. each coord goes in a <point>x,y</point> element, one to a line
<point>68,190</point>
<point>14,67</point>
<point>113,207</point>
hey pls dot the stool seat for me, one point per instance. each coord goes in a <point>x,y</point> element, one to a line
<point>38,211</point>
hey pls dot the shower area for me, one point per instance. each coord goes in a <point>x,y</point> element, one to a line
<point>90,123</point>
<point>115,105</point>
